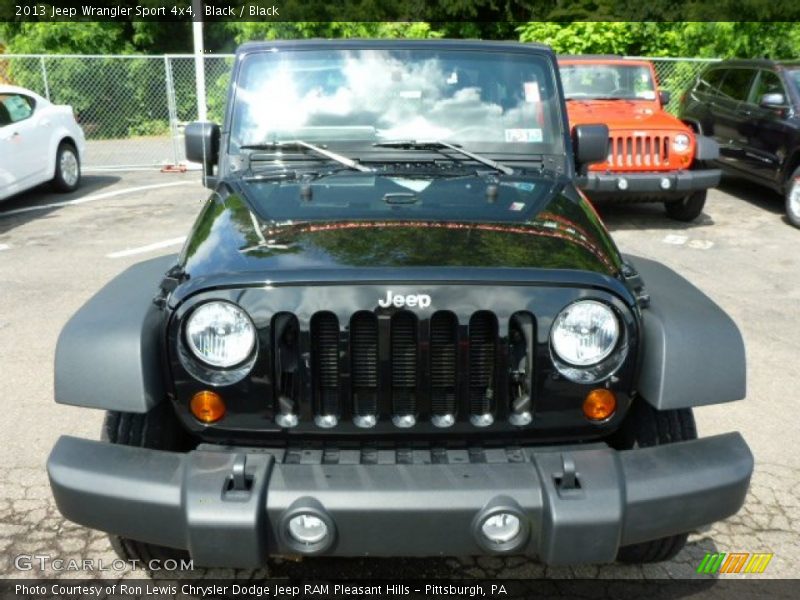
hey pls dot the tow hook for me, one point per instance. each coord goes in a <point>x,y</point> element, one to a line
<point>239,483</point>
<point>567,482</point>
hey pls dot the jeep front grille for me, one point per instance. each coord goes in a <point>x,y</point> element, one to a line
<point>638,152</point>
<point>401,370</point>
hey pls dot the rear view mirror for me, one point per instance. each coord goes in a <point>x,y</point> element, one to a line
<point>772,101</point>
<point>590,144</point>
<point>202,145</point>
<point>665,96</point>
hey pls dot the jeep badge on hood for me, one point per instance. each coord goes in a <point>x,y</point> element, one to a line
<point>398,300</point>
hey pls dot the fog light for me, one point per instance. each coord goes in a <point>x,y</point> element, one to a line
<point>207,407</point>
<point>501,528</point>
<point>622,183</point>
<point>599,404</point>
<point>665,183</point>
<point>307,529</point>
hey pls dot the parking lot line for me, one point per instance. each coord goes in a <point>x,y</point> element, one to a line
<point>148,248</point>
<point>92,198</point>
<point>4,247</point>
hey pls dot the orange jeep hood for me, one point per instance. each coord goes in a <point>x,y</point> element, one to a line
<point>623,114</point>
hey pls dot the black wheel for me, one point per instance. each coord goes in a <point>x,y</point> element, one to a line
<point>793,198</point>
<point>68,168</point>
<point>158,429</point>
<point>687,208</point>
<point>645,426</point>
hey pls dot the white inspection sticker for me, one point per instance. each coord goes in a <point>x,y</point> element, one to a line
<point>531,89</point>
<point>523,135</point>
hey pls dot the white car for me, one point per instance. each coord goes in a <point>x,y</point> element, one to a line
<point>39,141</point>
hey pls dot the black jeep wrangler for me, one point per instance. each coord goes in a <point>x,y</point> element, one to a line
<point>398,329</point>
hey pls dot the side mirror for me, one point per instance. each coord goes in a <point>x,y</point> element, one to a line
<point>590,144</point>
<point>665,97</point>
<point>202,145</point>
<point>772,101</point>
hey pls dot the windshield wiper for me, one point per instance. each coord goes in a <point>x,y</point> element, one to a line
<point>298,144</point>
<point>590,98</point>
<point>438,145</point>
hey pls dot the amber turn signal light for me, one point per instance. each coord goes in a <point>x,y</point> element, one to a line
<point>207,407</point>
<point>599,404</point>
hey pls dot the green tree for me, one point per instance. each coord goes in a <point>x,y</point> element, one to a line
<point>63,37</point>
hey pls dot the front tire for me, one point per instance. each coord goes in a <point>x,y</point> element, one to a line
<point>645,426</point>
<point>157,429</point>
<point>687,208</point>
<point>793,198</point>
<point>67,177</point>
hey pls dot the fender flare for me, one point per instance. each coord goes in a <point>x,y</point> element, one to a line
<point>706,148</point>
<point>109,354</point>
<point>693,353</point>
<point>693,124</point>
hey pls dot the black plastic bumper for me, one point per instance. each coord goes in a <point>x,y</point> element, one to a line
<point>668,184</point>
<point>408,503</point>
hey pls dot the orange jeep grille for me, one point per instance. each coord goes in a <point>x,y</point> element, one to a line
<point>638,152</point>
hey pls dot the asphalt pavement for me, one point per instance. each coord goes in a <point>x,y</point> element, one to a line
<point>57,250</point>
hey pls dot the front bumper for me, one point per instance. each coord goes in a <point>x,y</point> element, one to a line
<point>404,502</point>
<point>655,185</point>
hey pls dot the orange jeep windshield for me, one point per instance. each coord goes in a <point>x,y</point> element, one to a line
<point>587,81</point>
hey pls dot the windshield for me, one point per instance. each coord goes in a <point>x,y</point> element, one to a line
<point>483,101</point>
<point>598,81</point>
<point>794,77</point>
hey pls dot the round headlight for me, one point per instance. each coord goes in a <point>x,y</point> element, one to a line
<point>584,333</point>
<point>680,143</point>
<point>220,334</point>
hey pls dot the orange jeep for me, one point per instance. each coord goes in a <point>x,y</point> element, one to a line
<point>652,156</point>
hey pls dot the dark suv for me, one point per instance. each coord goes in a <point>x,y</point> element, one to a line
<point>398,328</point>
<point>752,108</point>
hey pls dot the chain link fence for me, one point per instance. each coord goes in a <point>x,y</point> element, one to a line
<point>676,75</point>
<point>133,108</point>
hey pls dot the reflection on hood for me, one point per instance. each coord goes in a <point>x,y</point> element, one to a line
<point>230,238</point>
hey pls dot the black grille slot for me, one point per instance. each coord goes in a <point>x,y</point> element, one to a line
<point>443,353</point>
<point>404,363</point>
<point>286,344</point>
<point>364,362</point>
<point>325,357</point>
<point>482,351</point>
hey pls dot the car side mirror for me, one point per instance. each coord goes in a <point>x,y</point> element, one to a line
<point>772,101</point>
<point>202,145</point>
<point>590,144</point>
<point>665,96</point>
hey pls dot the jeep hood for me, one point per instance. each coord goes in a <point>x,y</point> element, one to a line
<point>623,114</point>
<point>231,243</point>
